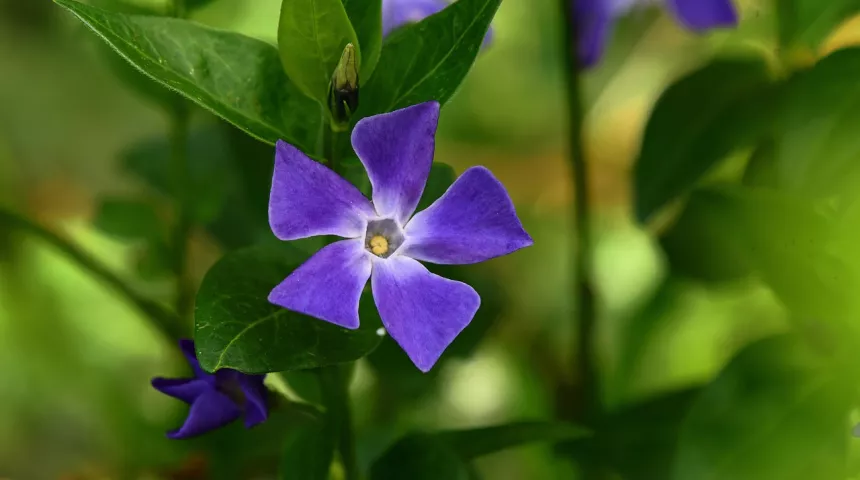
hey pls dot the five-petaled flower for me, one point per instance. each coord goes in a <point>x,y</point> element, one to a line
<point>473,221</point>
<point>216,399</point>
<point>595,18</point>
<point>397,13</point>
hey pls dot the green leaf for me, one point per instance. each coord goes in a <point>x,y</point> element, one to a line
<point>311,37</point>
<point>366,18</point>
<point>783,238</point>
<point>236,326</point>
<point>441,177</point>
<point>233,76</point>
<point>128,219</point>
<point>428,60</point>
<point>817,146</point>
<point>777,411</point>
<point>446,454</point>
<point>697,122</point>
<point>308,452</point>
<point>809,22</point>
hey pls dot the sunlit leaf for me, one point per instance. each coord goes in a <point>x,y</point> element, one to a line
<point>809,22</point>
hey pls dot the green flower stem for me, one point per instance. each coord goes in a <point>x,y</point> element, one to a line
<point>162,319</point>
<point>180,177</point>
<point>588,401</point>
<point>334,385</point>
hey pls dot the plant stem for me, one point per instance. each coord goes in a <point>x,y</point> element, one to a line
<point>182,228</point>
<point>334,384</point>
<point>163,320</point>
<point>588,389</point>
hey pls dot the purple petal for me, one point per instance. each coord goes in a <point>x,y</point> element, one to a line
<point>594,22</point>
<point>699,15</point>
<point>187,347</point>
<point>256,410</point>
<point>397,13</point>
<point>422,311</point>
<point>328,285</point>
<point>185,389</point>
<point>209,411</point>
<point>472,222</point>
<point>397,150</point>
<point>309,199</point>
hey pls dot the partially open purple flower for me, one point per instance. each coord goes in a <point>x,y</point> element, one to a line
<point>397,13</point>
<point>472,222</point>
<point>595,19</point>
<point>216,399</point>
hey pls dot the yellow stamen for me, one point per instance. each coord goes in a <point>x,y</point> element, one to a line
<point>379,245</point>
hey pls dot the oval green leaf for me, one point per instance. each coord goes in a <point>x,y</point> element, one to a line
<point>697,122</point>
<point>235,77</point>
<point>236,327</point>
<point>311,37</point>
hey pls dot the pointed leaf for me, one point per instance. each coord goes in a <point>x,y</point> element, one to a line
<point>236,326</point>
<point>697,122</point>
<point>235,77</point>
<point>311,37</point>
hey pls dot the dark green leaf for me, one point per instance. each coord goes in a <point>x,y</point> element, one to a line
<point>236,326</point>
<point>697,122</point>
<point>761,168</point>
<point>441,177</point>
<point>236,77</point>
<point>366,18</point>
<point>428,60</point>
<point>777,411</point>
<point>817,146</point>
<point>446,454</point>
<point>308,452</point>
<point>128,219</point>
<point>809,22</point>
<point>311,37</point>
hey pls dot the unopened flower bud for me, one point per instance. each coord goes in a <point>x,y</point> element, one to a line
<point>343,91</point>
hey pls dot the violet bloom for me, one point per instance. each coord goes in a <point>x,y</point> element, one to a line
<point>595,18</point>
<point>397,13</point>
<point>216,399</point>
<point>472,222</point>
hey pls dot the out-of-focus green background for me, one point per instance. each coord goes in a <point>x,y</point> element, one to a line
<point>75,359</point>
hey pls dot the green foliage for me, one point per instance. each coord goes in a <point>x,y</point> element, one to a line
<point>236,326</point>
<point>698,121</point>
<point>809,22</point>
<point>311,37</point>
<point>236,77</point>
<point>428,60</point>
<point>777,411</point>
<point>308,452</point>
<point>446,454</point>
<point>816,146</point>
<point>128,219</point>
<point>366,18</point>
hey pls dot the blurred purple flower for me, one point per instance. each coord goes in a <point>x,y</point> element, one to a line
<point>595,19</point>
<point>216,399</point>
<point>473,221</point>
<point>397,13</point>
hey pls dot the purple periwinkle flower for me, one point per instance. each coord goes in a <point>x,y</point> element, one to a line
<point>397,13</point>
<point>216,399</point>
<point>595,19</point>
<point>473,221</point>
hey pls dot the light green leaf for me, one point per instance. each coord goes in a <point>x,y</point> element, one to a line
<point>236,327</point>
<point>697,122</point>
<point>778,411</point>
<point>809,22</point>
<point>235,77</point>
<point>428,60</point>
<point>311,37</point>
<point>366,18</point>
